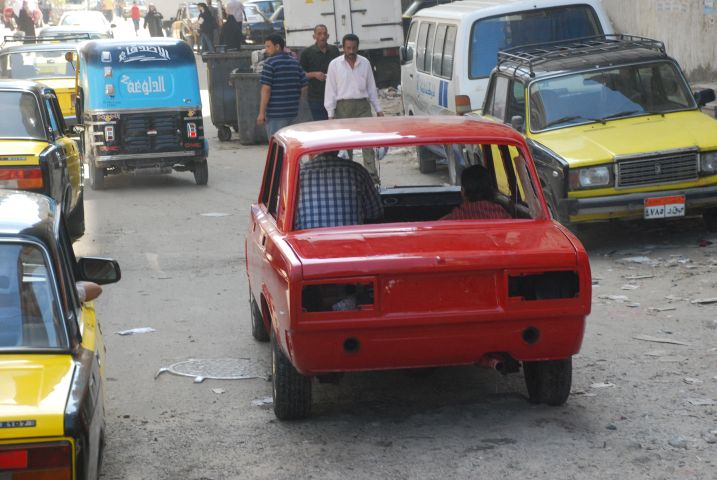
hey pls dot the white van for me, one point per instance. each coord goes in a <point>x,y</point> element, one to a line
<point>451,49</point>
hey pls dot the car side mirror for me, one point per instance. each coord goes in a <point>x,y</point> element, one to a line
<point>406,54</point>
<point>99,270</point>
<point>517,122</point>
<point>703,97</point>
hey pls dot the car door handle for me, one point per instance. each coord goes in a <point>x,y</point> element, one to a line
<point>263,240</point>
<point>410,75</point>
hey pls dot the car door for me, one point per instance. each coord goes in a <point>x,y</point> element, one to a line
<point>68,150</point>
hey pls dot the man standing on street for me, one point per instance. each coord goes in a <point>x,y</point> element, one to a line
<point>283,82</point>
<point>315,61</point>
<point>351,91</point>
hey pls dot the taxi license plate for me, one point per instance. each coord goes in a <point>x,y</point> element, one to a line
<point>665,207</point>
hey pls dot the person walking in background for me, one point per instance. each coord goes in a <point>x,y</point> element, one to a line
<point>207,25</point>
<point>108,8</point>
<point>351,91</point>
<point>153,21</point>
<point>9,19</point>
<point>25,23</point>
<point>231,34</point>
<point>134,13</point>
<point>315,62</point>
<point>283,83</point>
<point>218,15</point>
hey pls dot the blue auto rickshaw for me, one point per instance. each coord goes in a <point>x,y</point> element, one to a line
<point>139,108</point>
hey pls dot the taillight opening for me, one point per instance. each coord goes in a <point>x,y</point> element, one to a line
<point>335,297</point>
<point>544,286</point>
<point>37,461</point>
<point>21,178</point>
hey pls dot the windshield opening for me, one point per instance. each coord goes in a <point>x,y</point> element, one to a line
<point>335,189</point>
<point>21,116</point>
<point>29,310</point>
<point>37,64</point>
<point>598,96</point>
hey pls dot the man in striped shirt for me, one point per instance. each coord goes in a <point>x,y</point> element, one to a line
<point>478,197</point>
<point>283,83</point>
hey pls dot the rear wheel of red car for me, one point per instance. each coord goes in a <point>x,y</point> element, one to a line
<point>97,176</point>
<point>549,381</point>
<point>709,217</point>
<point>258,331</point>
<point>201,172</point>
<point>291,391</point>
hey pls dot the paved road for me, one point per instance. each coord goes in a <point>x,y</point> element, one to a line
<point>181,248</point>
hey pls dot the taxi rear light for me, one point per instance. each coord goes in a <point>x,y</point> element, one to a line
<point>463,104</point>
<point>21,178</point>
<point>41,461</point>
<point>335,297</point>
<point>192,130</point>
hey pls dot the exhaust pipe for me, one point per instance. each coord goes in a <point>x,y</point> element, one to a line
<point>502,363</point>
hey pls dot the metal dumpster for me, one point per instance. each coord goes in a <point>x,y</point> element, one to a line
<point>222,97</point>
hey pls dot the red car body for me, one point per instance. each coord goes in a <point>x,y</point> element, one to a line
<point>444,292</point>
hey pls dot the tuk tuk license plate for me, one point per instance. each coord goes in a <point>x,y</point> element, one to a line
<point>665,207</point>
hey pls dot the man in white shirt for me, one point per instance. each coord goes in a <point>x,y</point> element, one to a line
<point>351,91</point>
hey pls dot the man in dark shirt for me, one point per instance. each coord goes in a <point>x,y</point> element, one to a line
<point>282,83</point>
<point>315,62</point>
<point>478,197</point>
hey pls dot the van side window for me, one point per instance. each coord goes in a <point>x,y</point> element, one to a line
<point>541,25</point>
<point>412,32</point>
<point>438,49</point>
<point>425,47</point>
<point>495,105</point>
<point>448,51</point>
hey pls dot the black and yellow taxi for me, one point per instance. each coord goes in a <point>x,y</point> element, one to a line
<point>37,152</point>
<point>614,128</point>
<point>52,356</point>
<point>45,62</point>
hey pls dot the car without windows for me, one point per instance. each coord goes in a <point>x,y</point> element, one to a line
<point>52,356</point>
<point>614,129</point>
<point>257,26</point>
<point>409,289</point>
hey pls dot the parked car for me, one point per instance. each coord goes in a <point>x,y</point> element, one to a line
<point>185,24</point>
<point>388,283</point>
<point>37,151</point>
<point>266,7</point>
<point>257,26</point>
<point>87,20</point>
<point>613,127</point>
<point>52,356</point>
<point>70,33</point>
<point>44,62</point>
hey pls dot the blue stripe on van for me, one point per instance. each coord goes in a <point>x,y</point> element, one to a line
<point>441,94</point>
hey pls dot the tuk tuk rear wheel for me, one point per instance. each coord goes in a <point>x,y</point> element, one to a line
<point>224,133</point>
<point>201,172</point>
<point>97,176</point>
<point>291,391</point>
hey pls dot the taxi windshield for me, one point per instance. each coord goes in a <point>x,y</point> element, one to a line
<point>39,64</point>
<point>21,116</point>
<point>29,311</point>
<point>603,95</point>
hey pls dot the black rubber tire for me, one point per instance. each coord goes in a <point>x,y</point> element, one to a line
<point>224,133</point>
<point>258,330</point>
<point>97,176</point>
<point>201,172</point>
<point>454,170</point>
<point>76,218</point>
<point>426,164</point>
<point>549,381</point>
<point>709,218</point>
<point>291,391</point>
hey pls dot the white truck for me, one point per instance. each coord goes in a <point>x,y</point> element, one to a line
<point>376,22</point>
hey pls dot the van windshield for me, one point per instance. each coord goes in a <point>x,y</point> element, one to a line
<point>490,35</point>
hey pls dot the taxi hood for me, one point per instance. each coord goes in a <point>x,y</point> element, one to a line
<point>595,143</point>
<point>435,246</point>
<point>33,394</point>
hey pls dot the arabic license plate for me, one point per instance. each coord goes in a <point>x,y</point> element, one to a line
<point>665,207</point>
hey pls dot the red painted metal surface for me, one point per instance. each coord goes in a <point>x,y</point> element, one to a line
<point>441,287</point>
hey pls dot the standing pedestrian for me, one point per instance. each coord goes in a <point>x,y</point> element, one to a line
<point>315,61</point>
<point>108,7</point>
<point>283,83</point>
<point>351,91</point>
<point>25,23</point>
<point>218,14</point>
<point>153,21</point>
<point>207,25</point>
<point>9,19</point>
<point>231,34</point>
<point>134,13</point>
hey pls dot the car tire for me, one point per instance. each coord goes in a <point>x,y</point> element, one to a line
<point>454,169</point>
<point>76,218</point>
<point>97,176</point>
<point>291,391</point>
<point>549,381</point>
<point>258,330</point>
<point>224,133</point>
<point>201,172</point>
<point>709,218</point>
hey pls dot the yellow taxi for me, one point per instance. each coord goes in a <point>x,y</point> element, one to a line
<point>45,62</point>
<point>52,356</point>
<point>613,127</point>
<point>37,152</point>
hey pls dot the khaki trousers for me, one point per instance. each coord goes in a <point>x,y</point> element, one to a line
<point>358,108</point>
